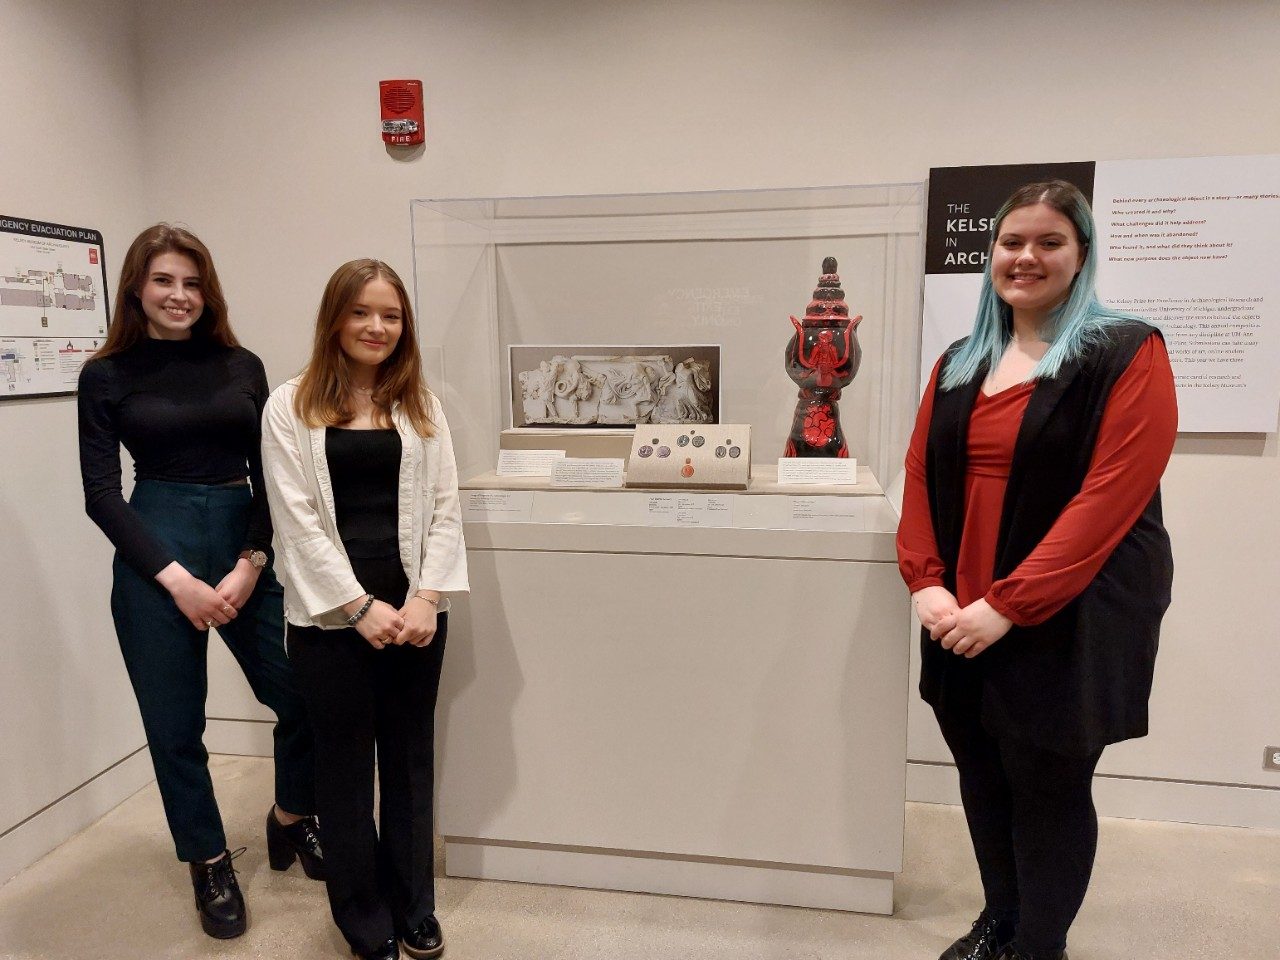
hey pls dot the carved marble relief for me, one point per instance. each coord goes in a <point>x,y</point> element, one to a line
<point>579,390</point>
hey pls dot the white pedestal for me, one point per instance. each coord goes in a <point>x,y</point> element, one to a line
<point>704,712</point>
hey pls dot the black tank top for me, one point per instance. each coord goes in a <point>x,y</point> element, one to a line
<point>364,467</point>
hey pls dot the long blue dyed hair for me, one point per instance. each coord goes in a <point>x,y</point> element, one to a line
<point>1081,320</point>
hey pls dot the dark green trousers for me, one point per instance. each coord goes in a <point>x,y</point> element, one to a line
<point>166,658</point>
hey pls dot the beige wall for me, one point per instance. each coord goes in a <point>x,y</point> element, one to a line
<point>272,153</point>
<point>257,125</point>
<point>71,145</point>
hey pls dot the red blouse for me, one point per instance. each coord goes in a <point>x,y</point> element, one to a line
<point>1135,439</point>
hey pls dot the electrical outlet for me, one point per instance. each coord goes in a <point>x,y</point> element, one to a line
<point>1271,759</point>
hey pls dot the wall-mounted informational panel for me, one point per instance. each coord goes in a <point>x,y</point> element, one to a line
<point>1185,243</point>
<point>53,305</point>
<point>725,269</point>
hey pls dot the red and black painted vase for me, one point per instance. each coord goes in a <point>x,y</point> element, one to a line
<point>822,357</point>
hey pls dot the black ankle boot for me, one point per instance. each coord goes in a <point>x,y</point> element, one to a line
<point>424,941</point>
<point>1015,954</point>
<point>297,841</point>
<point>218,897</point>
<point>986,940</point>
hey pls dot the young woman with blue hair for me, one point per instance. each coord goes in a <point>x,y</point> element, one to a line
<point>1033,546</point>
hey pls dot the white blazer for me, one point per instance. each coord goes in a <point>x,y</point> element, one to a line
<point>313,563</point>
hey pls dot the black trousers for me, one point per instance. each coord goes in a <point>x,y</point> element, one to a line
<point>1033,825</point>
<point>167,659</point>
<point>380,878</point>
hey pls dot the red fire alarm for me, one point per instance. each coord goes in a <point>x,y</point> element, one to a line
<point>402,123</point>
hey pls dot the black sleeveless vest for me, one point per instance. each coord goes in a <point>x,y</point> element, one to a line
<point>1081,679</point>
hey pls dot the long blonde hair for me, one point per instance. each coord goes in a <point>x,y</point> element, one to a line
<point>325,393</point>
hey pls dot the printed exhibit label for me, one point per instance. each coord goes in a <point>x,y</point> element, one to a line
<point>497,506</point>
<point>839,514</point>
<point>690,510</point>
<point>587,472</point>
<point>527,463</point>
<point>820,471</point>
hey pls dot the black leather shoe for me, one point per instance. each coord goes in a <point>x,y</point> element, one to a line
<point>982,942</point>
<point>1014,954</point>
<point>297,841</point>
<point>424,941</point>
<point>387,951</point>
<point>218,897</point>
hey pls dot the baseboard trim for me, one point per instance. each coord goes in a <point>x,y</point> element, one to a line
<point>25,842</point>
<point>1133,798</point>
<point>791,885</point>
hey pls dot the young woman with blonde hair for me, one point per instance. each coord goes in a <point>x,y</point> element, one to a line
<point>364,494</point>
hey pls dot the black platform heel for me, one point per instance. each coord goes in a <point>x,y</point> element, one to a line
<point>219,901</point>
<point>298,841</point>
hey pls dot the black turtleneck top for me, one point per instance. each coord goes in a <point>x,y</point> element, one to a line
<point>187,411</point>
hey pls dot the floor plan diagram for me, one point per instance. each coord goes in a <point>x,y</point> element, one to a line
<point>53,305</point>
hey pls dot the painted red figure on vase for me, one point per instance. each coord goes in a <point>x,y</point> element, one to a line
<point>822,357</point>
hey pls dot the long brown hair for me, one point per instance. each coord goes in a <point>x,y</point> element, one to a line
<point>129,323</point>
<point>324,395</point>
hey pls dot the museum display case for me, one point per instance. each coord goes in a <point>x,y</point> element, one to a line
<point>698,691</point>
<point>721,268</point>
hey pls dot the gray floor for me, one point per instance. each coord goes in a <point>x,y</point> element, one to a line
<point>1160,891</point>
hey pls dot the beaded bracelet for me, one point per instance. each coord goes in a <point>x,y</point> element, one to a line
<point>355,617</point>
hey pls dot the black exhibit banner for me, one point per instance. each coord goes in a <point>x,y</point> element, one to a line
<point>963,201</point>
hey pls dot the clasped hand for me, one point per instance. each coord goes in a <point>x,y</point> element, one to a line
<point>205,606</point>
<point>237,586</point>
<point>964,631</point>
<point>383,624</point>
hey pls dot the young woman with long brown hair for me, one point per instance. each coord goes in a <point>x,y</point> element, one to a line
<point>193,546</point>
<point>364,494</point>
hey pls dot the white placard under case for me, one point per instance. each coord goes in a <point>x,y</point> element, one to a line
<point>690,510</point>
<point>527,463</point>
<point>818,471</point>
<point>845,514</point>
<point>497,506</point>
<point>587,472</point>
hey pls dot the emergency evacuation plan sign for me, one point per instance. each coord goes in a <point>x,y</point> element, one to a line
<point>53,305</point>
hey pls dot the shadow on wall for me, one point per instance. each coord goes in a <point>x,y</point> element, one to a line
<point>406,154</point>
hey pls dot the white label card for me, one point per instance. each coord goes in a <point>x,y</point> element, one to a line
<point>690,510</point>
<point>497,506</point>
<point>818,471</point>
<point>844,514</point>
<point>587,472</point>
<point>527,463</point>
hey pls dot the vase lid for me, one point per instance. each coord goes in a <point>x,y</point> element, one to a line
<point>828,299</point>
